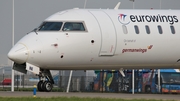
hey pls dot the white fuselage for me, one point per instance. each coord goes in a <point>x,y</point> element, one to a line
<point>109,41</point>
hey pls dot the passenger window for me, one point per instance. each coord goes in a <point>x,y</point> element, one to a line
<point>50,26</point>
<point>160,29</point>
<point>124,29</point>
<point>172,29</point>
<point>73,26</point>
<point>147,29</point>
<point>136,29</point>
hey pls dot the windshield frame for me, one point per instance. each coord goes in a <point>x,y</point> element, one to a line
<point>51,26</point>
<point>75,22</point>
<point>62,26</point>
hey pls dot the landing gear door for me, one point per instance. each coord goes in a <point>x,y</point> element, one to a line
<point>108,33</point>
<point>32,68</point>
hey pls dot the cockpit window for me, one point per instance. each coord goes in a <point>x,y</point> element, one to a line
<point>50,26</point>
<point>73,26</point>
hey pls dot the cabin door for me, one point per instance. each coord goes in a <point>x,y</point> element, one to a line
<point>108,33</point>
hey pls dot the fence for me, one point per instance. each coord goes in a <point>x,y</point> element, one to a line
<point>103,82</point>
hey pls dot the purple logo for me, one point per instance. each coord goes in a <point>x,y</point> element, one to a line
<point>123,19</point>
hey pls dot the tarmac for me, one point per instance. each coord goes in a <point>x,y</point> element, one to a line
<point>175,97</point>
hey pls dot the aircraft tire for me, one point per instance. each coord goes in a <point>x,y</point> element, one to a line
<point>47,86</point>
<point>39,86</point>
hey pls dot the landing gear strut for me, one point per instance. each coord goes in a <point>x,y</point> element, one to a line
<point>45,81</point>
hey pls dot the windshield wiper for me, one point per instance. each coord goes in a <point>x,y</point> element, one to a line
<point>35,30</point>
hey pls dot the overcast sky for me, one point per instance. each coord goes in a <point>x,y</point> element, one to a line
<point>30,13</point>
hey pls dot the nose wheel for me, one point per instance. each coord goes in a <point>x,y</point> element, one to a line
<point>44,86</point>
<point>39,86</point>
<point>46,81</point>
<point>47,86</point>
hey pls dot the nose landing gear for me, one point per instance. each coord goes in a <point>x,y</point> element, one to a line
<point>46,81</point>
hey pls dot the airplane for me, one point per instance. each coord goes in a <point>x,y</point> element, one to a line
<point>91,39</point>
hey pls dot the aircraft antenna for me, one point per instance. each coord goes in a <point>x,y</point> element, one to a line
<point>117,6</point>
<point>85,1</point>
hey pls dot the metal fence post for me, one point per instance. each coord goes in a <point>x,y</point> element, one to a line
<point>23,80</point>
<point>17,81</point>
<point>3,81</point>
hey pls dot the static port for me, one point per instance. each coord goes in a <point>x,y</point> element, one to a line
<point>92,41</point>
<point>62,56</point>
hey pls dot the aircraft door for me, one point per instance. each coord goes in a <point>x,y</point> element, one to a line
<point>108,33</point>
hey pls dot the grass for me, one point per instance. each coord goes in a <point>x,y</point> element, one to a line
<point>29,89</point>
<point>70,99</point>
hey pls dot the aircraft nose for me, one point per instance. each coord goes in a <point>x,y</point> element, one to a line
<point>18,54</point>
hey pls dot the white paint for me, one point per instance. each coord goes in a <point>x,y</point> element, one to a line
<point>152,50</point>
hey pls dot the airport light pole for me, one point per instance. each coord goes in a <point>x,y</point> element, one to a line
<point>69,81</point>
<point>3,78</point>
<point>133,81</point>
<point>159,84</point>
<point>12,74</point>
<point>85,1</point>
<point>160,4</point>
<point>133,3</point>
<point>133,69</point>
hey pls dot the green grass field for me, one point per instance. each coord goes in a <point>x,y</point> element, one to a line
<point>69,99</point>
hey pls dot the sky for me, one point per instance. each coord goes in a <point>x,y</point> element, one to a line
<point>29,14</point>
